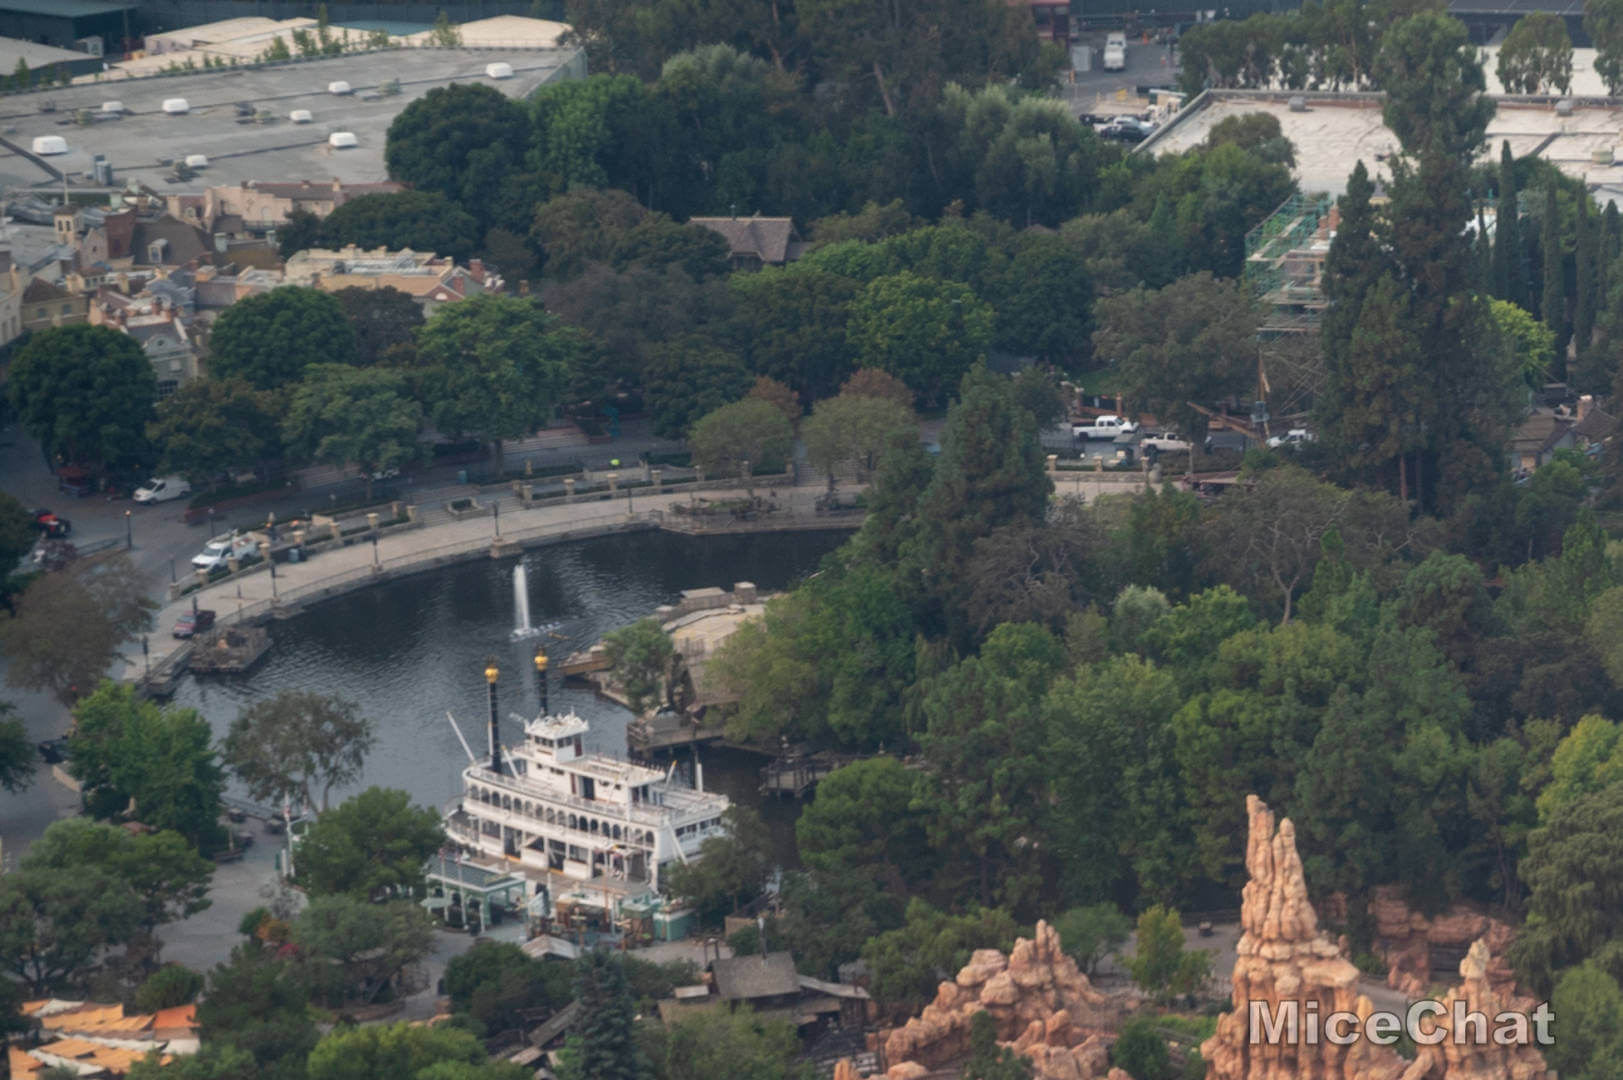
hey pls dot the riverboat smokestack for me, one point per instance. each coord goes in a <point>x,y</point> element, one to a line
<point>495,726</point>
<point>541,675</point>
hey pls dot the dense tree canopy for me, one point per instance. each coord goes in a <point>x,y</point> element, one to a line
<point>85,392</point>
<point>269,339</point>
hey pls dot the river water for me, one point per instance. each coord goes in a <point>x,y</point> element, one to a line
<point>411,650</point>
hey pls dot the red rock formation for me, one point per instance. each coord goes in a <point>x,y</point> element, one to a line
<point>1284,956</point>
<point>1405,938</point>
<point>1042,1004</point>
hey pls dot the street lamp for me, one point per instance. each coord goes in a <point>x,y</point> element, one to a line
<point>272,560</point>
<point>146,655</point>
<point>129,536</point>
<point>375,563</point>
<point>496,516</point>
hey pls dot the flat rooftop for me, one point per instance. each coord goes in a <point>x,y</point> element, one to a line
<point>1338,129</point>
<point>237,152</point>
<point>34,54</point>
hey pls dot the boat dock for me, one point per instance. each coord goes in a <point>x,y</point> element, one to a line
<point>230,649</point>
<point>795,774</point>
<point>668,731</point>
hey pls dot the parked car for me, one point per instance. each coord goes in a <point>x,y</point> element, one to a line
<point>222,548</point>
<point>1103,427</point>
<point>54,751</point>
<point>1126,129</point>
<point>193,622</point>
<point>162,489</point>
<point>51,525</point>
<point>1227,440</point>
<point>1164,442</point>
<point>1293,437</point>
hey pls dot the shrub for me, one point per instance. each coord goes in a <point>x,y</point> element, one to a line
<point>1140,1051</point>
<point>167,987</point>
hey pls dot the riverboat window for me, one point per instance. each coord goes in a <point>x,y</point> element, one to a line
<point>507,802</point>
<point>615,832</point>
<point>555,770</point>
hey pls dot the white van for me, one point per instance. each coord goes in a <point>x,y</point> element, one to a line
<point>162,489</point>
<point>176,106</point>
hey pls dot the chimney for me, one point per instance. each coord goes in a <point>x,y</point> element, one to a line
<point>476,267</point>
<point>495,725</point>
<point>1585,403</point>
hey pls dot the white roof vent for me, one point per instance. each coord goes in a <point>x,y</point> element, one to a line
<point>177,106</point>
<point>499,71</point>
<point>342,140</point>
<point>338,86</point>
<point>300,116</point>
<point>1298,104</point>
<point>46,145</point>
<point>197,161</point>
<point>1563,107</point>
<point>112,106</point>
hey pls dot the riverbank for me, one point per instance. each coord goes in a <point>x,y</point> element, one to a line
<point>504,533</point>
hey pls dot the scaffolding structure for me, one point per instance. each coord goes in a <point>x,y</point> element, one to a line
<point>1284,263</point>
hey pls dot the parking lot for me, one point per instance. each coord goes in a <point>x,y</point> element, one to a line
<point>278,150</point>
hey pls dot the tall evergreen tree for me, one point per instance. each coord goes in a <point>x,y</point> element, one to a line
<point>1584,246</point>
<point>1509,279</point>
<point>1553,307</point>
<point>1484,253</point>
<point>605,1044</point>
<point>1353,265</point>
<point>1381,416</point>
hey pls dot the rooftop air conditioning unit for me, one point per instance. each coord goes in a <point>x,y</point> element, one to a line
<point>197,161</point>
<point>338,86</point>
<point>112,107</point>
<point>499,71</point>
<point>176,106</point>
<point>46,145</point>
<point>1298,104</point>
<point>300,116</point>
<point>90,45</point>
<point>342,140</point>
<point>1563,107</point>
<point>1601,156</point>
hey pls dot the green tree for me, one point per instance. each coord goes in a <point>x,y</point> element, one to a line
<point>55,923</point>
<point>853,428</point>
<point>125,750</point>
<point>639,658</point>
<point>496,366</point>
<point>424,221</point>
<point>258,1003</point>
<point>165,873</point>
<point>214,1062</point>
<point>460,142</point>
<point>17,532</point>
<point>910,962</point>
<point>1586,761</point>
<point>871,382</point>
<point>1019,156</point>
<point>285,747</point>
<point>207,426</point>
<point>1529,345</point>
<point>1553,308</point>
<point>791,323</point>
<point>302,232</point>
<point>1140,1051</point>
<point>603,131</point>
<point>988,1060</point>
<point>85,393</point>
<point>1509,277</point>
<point>870,815</point>
<point>1590,1036</point>
<point>369,845</point>
<point>358,950</point>
<point>733,868</point>
<point>1603,22</point>
<point>729,1043</point>
<point>67,627</point>
<point>583,226</point>
<point>750,431</point>
<point>1574,870</point>
<point>268,340</point>
<point>604,1046</point>
<point>1160,964</point>
<point>1435,99</point>
<point>924,331</point>
<point>689,378</point>
<point>1091,933</point>
<point>1536,56</point>
<point>404,1051</point>
<point>342,415</point>
<point>658,243</point>
<point>1585,253</point>
<point>496,984</point>
<point>169,986</point>
<point>1193,341</point>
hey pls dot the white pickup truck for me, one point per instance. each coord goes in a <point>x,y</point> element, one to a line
<point>1103,427</point>
<point>1164,442</point>
<point>1294,437</point>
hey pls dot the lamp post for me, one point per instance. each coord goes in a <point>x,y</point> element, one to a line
<point>146,655</point>
<point>375,563</point>
<point>496,516</point>
<point>271,559</point>
<point>541,675</point>
<point>491,674</point>
<point>129,535</point>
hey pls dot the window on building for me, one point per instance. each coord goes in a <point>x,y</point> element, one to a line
<point>67,309</point>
